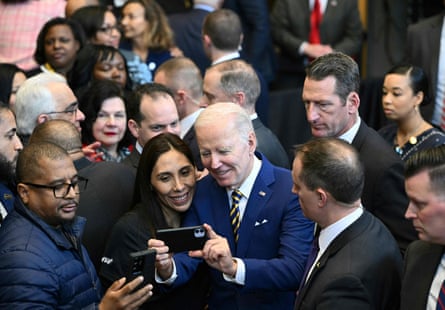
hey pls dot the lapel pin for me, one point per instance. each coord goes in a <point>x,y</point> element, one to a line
<point>262,194</point>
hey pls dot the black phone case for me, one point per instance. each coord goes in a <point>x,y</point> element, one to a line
<point>183,238</point>
<point>142,264</point>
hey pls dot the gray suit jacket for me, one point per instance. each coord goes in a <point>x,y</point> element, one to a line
<point>360,269</point>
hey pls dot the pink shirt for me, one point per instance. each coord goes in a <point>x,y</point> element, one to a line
<point>20,25</point>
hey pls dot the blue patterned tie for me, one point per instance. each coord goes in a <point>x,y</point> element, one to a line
<point>234,212</point>
<point>441,297</point>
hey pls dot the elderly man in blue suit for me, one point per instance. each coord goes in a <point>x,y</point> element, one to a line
<point>259,242</point>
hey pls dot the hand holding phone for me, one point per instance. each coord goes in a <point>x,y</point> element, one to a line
<point>183,238</point>
<point>142,264</point>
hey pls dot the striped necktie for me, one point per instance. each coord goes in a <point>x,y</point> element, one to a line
<point>441,297</point>
<point>234,213</point>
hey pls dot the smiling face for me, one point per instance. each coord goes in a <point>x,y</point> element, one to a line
<point>173,178</point>
<point>426,209</point>
<point>53,211</point>
<point>61,48</point>
<point>109,33</point>
<point>133,22</point>
<point>327,115</point>
<point>398,98</point>
<point>227,156</point>
<point>110,124</point>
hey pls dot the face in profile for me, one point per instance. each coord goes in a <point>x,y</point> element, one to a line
<point>398,98</point>
<point>426,208</point>
<point>18,80</point>
<point>133,21</point>
<point>10,144</point>
<point>60,47</point>
<point>173,179</point>
<point>67,107</point>
<point>111,122</point>
<point>112,69</point>
<point>308,198</point>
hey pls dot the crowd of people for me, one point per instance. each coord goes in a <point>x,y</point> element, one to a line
<point>126,118</point>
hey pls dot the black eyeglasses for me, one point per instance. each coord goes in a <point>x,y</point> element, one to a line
<point>72,109</point>
<point>62,190</point>
<point>109,29</point>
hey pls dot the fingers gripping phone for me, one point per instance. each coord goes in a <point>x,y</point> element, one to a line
<point>183,238</point>
<point>142,264</point>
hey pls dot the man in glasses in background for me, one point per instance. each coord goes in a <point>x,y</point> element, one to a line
<point>42,262</point>
<point>43,97</point>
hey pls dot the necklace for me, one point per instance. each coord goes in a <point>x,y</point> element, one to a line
<point>409,138</point>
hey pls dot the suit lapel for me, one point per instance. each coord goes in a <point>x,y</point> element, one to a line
<point>258,199</point>
<point>337,244</point>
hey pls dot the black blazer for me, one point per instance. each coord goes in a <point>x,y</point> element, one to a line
<point>360,269</point>
<point>421,261</point>
<point>384,192</point>
<point>190,139</point>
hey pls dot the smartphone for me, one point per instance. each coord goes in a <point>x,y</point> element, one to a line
<point>142,264</point>
<point>183,238</point>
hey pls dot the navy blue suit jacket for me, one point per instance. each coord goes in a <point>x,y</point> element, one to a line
<point>274,241</point>
<point>187,28</point>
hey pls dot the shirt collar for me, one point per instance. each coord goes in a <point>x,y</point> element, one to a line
<point>349,135</point>
<point>188,121</point>
<point>227,57</point>
<point>247,186</point>
<point>329,233</point>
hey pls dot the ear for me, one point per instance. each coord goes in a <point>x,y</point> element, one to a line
<point>252,142</point>
<point>206,40</point>
<point>353,102</point>
<point>23,192</point>
<point>419,98</point>
<point>42,118</point>
<point>322,197</point>
<point>240,99</point>
<point>133,127</point>
<point>182,96</point>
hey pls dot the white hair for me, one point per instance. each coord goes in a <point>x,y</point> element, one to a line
<point>35,98</point>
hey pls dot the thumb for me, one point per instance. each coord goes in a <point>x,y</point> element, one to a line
<point>211,234</point>
<point>117,285</point>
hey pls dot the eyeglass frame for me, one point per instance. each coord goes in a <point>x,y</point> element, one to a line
<point>72,109</point>
<point>108,29</point>
<point>72,185</point>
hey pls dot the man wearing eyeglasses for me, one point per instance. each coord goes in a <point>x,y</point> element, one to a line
<point>43,97</point>
<point>43,263</point>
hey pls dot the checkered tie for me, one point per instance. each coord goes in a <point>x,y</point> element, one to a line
<point>234,212</point>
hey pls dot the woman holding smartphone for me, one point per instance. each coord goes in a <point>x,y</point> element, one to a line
<point>164,189</point>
